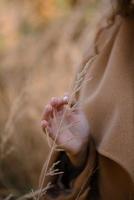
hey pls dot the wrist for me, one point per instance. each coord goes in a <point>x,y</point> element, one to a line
<point>78,159</point>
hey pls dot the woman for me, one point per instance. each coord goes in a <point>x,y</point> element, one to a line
<point>98,160</point>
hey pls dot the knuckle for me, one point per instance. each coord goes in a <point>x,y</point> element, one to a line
<point>48,107</point>
<point>53,99</point>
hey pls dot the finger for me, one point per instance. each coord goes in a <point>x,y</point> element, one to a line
<point>57,103</point>
<point>47,129</point>
<point>44,125</point>
<point>62,102</point>
<point>51,133</point>
<point>66,99</point>
<point>54,101</point>
<point>69,100</point>
<point>47,112</point>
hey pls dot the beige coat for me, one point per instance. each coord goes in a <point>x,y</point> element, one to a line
<point>109,106</point>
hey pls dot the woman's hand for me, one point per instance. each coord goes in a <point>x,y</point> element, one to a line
<point>69,127</point>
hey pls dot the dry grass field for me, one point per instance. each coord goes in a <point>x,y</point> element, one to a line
<point>41,45</point>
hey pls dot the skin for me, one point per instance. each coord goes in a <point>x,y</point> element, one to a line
<point>72,139</point>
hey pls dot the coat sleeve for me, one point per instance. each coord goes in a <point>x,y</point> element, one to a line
<point>74,183</point>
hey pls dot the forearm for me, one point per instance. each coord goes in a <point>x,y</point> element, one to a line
<point>78,160</point>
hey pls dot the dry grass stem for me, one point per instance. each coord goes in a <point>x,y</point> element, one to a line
<point>10,196</point>
<point>48,138</point>
<point>53,171</point>
<point>10,121</point>
<point>9,126</point>
<point>34,194</point>
<point>81,77</point>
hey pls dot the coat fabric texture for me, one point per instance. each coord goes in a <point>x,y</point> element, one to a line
<point>108,102</point>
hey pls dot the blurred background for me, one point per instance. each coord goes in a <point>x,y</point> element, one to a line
<point>41,44</point>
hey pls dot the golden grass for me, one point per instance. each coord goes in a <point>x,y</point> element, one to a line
<point>34,68</point>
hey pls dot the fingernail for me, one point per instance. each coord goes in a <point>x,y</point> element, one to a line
<point>66,98</point>
<point>49,107</point>
<point>43,123</point>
